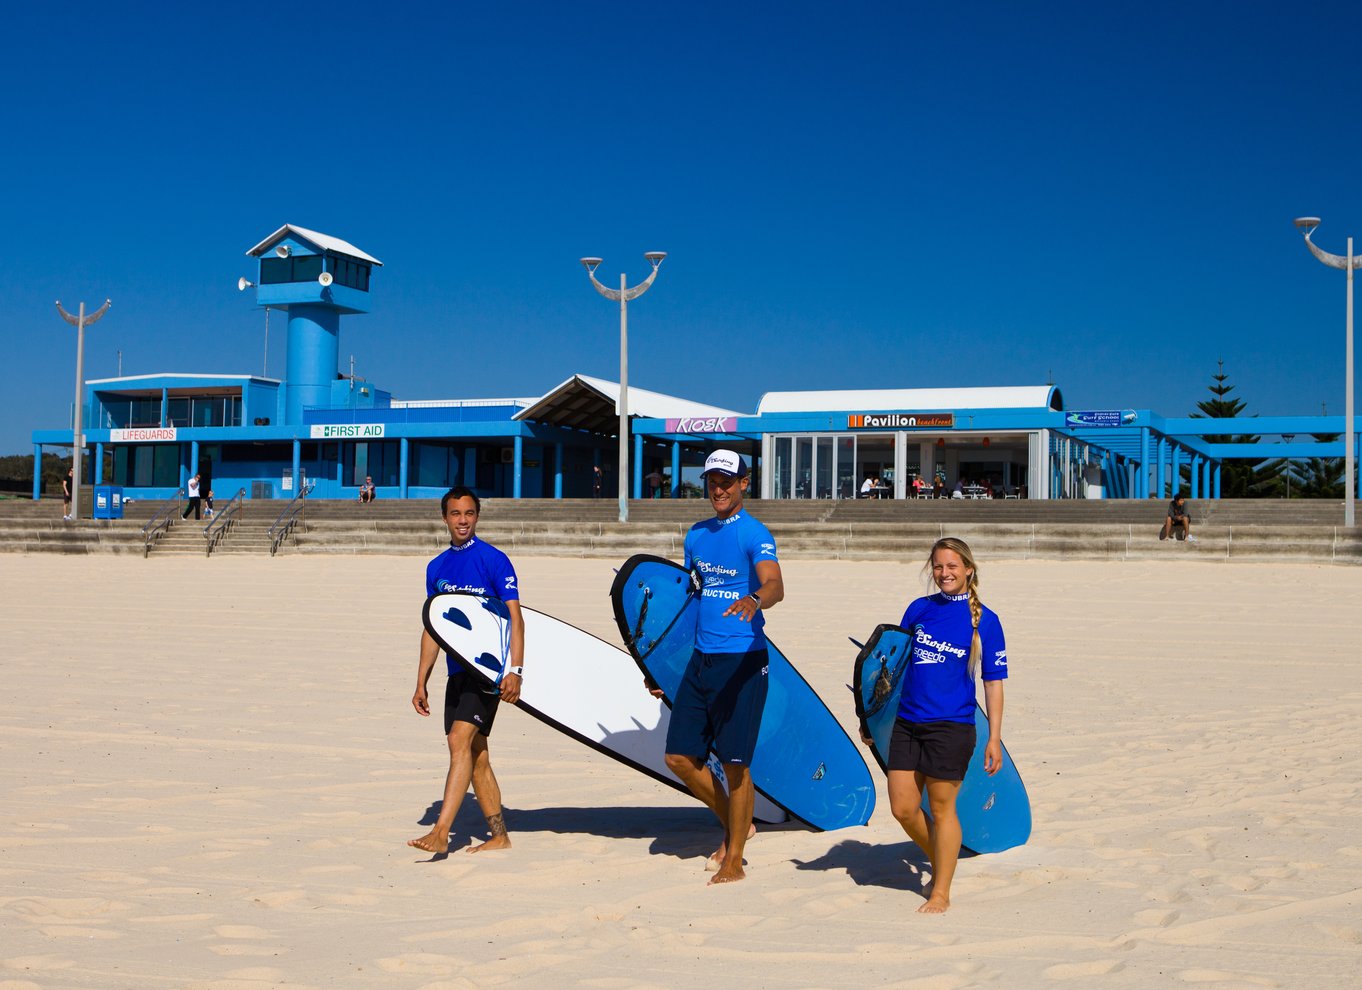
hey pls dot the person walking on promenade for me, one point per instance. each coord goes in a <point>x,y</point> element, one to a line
<point>479,568</point>
<point>191,489</point>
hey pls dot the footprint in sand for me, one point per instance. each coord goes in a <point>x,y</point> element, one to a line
<point>1156,917</point>
<point>1221,976</point>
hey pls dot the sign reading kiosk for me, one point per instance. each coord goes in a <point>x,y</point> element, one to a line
<point>901,421</point>
<point>347,431</point>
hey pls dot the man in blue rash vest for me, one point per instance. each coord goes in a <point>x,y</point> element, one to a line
<point>479,568</point>
<point>719,703</point>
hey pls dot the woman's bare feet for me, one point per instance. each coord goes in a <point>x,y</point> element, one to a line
<point>502,841</point>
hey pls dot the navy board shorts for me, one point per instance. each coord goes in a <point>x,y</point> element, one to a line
<point>467,700</point>
<point>718,706</point>
<point>941,750</point>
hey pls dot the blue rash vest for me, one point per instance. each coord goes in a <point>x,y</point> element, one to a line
<point>725,552</point>
<point>477,568</point>
<point>937,686</point>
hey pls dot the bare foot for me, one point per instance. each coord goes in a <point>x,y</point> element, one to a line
<point>502,841</point>
<point>935,905</point>
<point>431,842</point>
<point>726,875</point>
<point>715,861</point>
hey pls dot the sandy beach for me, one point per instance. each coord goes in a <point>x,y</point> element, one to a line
<point>211,767</point>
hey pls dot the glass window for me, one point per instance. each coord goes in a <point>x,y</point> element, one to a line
<point>177,412</point>
<point>823,468</point>
<point>275,271</point>
<point>803,478</point>
<point>846,467</point>
<point>307,267</point>
<point>166,461</point>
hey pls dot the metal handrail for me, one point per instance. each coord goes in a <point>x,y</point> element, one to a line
<point>223,522</point>
<point>161,522</point>
<point>290,516</point>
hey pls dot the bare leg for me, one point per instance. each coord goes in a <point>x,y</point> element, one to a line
<point>456,786</point>
<point>905,803</point>
<point>741,794</point>
<point>488,792</point>
<point>696,776</point>
<point>945,841</point>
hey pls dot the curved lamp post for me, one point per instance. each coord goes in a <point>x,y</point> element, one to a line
<point>80,322</point>
<point>623,295</point>
<point>1307,226</point>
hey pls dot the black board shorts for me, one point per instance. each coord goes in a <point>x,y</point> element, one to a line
<point>467,700</point>
<point>940,750</point>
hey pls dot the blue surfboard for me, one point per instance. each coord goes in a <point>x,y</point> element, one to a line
<point>804,761</point>
<point>995,813</point>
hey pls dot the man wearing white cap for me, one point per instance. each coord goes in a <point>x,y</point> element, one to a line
<point>719,703</point>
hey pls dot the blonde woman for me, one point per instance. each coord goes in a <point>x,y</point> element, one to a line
<point>954,636</point>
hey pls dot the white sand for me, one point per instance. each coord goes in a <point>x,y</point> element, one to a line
<point>211,766</point>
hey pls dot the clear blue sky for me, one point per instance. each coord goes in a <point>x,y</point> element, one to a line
<point>852,195</point>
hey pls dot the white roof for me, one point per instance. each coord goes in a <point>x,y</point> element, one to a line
<point>642,403</point>
<point>1006,397</point>
<point>177,374</point>
<point>324,241</point>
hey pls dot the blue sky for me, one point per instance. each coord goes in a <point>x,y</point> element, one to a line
<point>852,195</point>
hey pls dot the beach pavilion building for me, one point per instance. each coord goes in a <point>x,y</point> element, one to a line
<point>268,437</point>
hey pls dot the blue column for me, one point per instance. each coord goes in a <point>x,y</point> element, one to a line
<point>1175,474</point>
<point>558,470</point>
<point>638,466</point>
<point>37,471</point>
<point>404,449</point>
<point>165,406</point>
<point>1217,479</point>
<point>340,467</point>
<point>184,468</point>
<point>1142,477</point>
<point>193,458</point>
<point>1159,450</point>
<point>99,464</point>
<point>676,469</point>
<point>297,467</point>
<point>519,455</point>
<point>1196,476</point>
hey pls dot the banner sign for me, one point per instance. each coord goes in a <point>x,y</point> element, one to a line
<point>1099,417</point>
<point>703,424</point>
<point>347,431</point>
<point>142,434</point>
<point>900,421</point>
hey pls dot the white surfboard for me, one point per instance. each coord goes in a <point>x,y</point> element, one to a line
<point>582,686</point>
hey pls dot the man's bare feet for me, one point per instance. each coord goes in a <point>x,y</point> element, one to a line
<point>502,841</point>
<point>935,905</point>
<point>715,861</point>
<point>432,842</point>
<point>726,875</point>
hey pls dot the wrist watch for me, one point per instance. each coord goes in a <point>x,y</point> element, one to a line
<point>756,598</point>
<point>518,670</point>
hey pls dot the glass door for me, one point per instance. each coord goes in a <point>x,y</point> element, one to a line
<point>823,468</point>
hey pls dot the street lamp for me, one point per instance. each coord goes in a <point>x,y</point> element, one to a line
<point>622,295</point>
<point>80,322</point>
<point>1307,226</point>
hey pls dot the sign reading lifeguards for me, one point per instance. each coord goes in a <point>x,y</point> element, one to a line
<point>900,421</point>
<point>347,431</point>
<point>142,434</point>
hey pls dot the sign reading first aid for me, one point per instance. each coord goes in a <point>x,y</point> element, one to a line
<point>347,431</point>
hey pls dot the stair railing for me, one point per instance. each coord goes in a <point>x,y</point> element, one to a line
<point>223,522</point>
<point>166,516</point>
<point>292,515</point>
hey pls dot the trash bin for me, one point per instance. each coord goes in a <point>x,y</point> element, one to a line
<point>108,502</point>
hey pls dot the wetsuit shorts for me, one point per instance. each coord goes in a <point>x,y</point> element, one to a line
<point>941,750</point>
<point>467,700</point>
<point>718,706</point>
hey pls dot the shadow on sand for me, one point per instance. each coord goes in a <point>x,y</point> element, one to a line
<point>681,832</point>
<point>895,866</point>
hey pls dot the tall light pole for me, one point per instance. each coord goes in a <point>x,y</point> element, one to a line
<point>622,295</point>
<point>80,322</point>
<point>1307,226</point>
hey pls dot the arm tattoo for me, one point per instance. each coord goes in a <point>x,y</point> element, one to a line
<point>496,825</point>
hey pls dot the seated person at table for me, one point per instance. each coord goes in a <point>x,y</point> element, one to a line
<point>868,486</point>
<point>959,490</point>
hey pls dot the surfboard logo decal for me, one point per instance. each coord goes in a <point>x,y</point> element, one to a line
<point>818,774</point>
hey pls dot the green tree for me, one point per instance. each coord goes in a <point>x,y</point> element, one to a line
<point>1321,477</point>
<point>1238,478</point>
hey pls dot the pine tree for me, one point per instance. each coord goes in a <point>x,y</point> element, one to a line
<point>1238,479</point>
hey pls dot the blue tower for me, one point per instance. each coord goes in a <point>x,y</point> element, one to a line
<point>317,278</point>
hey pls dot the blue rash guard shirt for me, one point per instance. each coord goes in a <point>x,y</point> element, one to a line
<point>474,567</point>
<point>725,552</point>
<point>937,686</point>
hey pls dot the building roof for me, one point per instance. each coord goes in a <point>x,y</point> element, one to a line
<point>1008,397</point>
<point>323,241</point>
<point>586,403</point>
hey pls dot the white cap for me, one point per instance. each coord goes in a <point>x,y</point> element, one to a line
<point>727,462</point>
